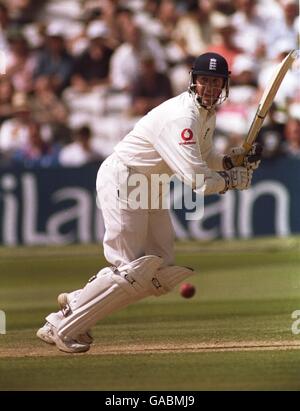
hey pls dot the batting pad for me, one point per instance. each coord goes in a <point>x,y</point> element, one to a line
<point>168,277</point>
<point>109,291</point>
<point>55,318</point>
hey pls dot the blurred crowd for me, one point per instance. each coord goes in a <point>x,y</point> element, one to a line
<point>80,73</point>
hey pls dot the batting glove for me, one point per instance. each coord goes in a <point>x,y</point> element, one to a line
<point>238,178</point>
<point>251,160</point>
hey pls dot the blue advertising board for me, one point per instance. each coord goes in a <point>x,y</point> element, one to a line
<point>58,206</point>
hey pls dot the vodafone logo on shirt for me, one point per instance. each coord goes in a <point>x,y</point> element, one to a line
<point>187,136</point>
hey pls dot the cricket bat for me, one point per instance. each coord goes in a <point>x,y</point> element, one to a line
<point>267,100</point>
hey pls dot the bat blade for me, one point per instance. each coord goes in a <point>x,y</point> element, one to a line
<point>267,100</point>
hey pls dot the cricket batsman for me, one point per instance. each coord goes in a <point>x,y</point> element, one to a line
<point>174,138</point>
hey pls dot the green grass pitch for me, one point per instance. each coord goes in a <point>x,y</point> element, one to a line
<point>234,334</point>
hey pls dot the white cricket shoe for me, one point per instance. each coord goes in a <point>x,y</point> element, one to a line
<point>48,333</point>
<point>45,333</point>
<point>64,304</point>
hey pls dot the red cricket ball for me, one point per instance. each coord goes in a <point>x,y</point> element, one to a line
<point>187,290</point>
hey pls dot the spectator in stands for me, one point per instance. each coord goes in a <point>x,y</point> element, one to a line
<point>235,115</point>
<point>292,131</point>
<point>50,110</point>
<point>81,151</point>
<point>179,75</point>
<point>150,89</point>
<point>36,152</point>
<point>167,17</point>
<point>223,42</point>
<point>21,11</point>
<point>291,13</point>
<point>271,135</point>
<point>125,62</point>
<point>54,60</point>
<point>250,25</point>
<point>21,63</point>
<point>14,132</point>
<point>284,27</point>
<point>158,19</point>
<point>193,30</point>
<point>107,12</point>
<point>92,67</point>
<point>124,17</point>
<point>170,31</point>
<point>6,94</point>
<point>290,85</point>
<point>5,25</point>
<point>243,88</point>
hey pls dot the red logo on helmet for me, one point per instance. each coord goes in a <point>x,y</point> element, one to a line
<point>187,134</point>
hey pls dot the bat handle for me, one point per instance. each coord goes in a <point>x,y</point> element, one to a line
<point>240,159</point>
<point>247,146</point>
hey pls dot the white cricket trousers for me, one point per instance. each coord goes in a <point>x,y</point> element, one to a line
<point>129,233</point>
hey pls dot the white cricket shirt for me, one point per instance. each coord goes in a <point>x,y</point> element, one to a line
<point>175,138</point>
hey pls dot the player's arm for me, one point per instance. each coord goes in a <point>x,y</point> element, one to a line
<point>219,162</point>
<point>178,147</point>
<point>213,158</point>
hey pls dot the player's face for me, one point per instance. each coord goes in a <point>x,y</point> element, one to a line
<point>209,89</point>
